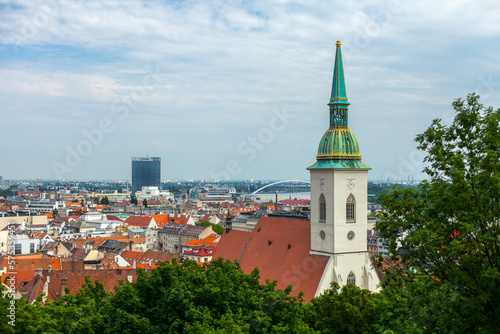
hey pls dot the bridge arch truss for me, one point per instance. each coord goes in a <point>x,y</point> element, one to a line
<point>287,186</point>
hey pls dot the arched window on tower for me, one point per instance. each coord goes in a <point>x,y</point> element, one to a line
<point>350,209</point>
<point>351,279</point>
<point>322,208</point>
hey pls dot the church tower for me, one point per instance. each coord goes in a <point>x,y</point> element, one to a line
<point>339,194</point>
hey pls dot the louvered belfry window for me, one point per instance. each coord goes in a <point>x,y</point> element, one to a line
<point>350,209</point>
<point>322,208</point>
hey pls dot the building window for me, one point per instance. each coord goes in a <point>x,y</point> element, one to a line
<point>350,208</point>
<point>32,247</point>
<point>18,249</point>
<point>322,208</point>
<point>351,279</point>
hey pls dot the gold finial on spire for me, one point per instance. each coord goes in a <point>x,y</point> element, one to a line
<point>338,43</point>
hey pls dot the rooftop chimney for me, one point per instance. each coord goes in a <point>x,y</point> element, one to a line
<point>38,272</point>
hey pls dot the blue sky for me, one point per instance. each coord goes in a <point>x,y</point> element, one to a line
<point>231,89</point>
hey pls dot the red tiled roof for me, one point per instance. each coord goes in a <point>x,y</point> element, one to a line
<point>31,262</point>
<point>211,240</point>
<point>202,251</point>
<point>10,227</point>
<point>75,278</point>
<point>72,264</point>
<point>138,221</point>
<point>109,217</point>
<point>131,255</point>
<point>22,277</point>
<point>180,219</point>
<point>231,244</point>
<point>207,217</point>
<point>39,235</point>
<point>385,266</point>
<point>161,220</point>
<point>294,201</point>
<point>33,288</point>
<point>80,254</point>
<point>107,260</point>
<point>279,247</point>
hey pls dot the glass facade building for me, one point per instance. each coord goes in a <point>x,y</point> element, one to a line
<point>145,173</point>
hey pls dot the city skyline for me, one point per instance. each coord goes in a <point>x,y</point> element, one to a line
<point>231,89</point>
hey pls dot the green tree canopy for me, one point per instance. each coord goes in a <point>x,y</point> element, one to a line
<point>6,192</point>
<point>350,310</point>
<point>133,200</point>
<point>173,298</point>
<point>449,228</point>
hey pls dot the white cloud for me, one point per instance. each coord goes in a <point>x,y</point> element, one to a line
<point>225,65</point>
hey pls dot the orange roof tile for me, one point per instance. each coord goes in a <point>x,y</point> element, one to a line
<point>131,255</point>
<point>279,247</point>
<point>202,251</point>
<point>231,244</point>
<point>138,221</point>
<point>75,278</point>
<point>21,277</point>
<point>31,263</point>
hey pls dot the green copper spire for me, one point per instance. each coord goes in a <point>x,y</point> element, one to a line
<point>338,101</point>
<point>338,148</point>
<point>339,95</point>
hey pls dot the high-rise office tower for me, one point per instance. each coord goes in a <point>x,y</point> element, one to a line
<point>145,173</point>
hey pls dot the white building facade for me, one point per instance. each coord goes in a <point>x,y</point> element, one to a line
<point>339,198</point>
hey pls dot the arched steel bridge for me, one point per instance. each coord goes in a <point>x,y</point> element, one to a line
<point>287,186</point>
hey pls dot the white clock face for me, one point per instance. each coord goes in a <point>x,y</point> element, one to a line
<point>351,184</point>
<point>322,184</point>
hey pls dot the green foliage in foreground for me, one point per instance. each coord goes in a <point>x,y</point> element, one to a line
<point>452,222</point>
<point>173,298</point>
<point>220,298</point>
